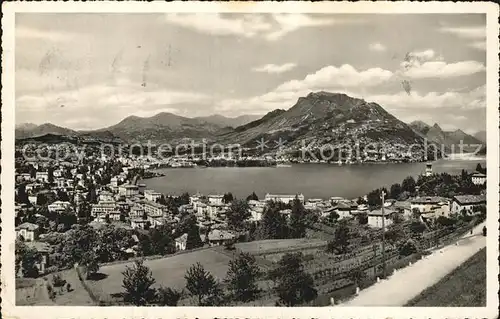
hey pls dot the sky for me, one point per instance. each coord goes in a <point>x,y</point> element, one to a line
<point>88,71</point>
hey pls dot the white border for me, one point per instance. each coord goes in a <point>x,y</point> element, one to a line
<point>9,309</point>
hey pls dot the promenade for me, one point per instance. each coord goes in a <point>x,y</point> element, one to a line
<point>407,283</point>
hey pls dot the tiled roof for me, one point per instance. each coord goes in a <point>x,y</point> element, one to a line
<point>470,199</point>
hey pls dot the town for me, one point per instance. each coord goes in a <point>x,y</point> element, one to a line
<point>88,214</point>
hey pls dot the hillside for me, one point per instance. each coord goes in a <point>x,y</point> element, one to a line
<point>481,135</point>
<point>31,130</point>
<point>223,121</point>
<point>434,134</point>
<point>163,127</point>
<point>326,118</point>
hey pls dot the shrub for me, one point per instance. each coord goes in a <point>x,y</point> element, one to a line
<point>57,281</point>
<point>51,269</point>
<point>68,287</point>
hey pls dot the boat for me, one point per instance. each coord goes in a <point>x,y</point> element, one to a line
<point>283,165</point>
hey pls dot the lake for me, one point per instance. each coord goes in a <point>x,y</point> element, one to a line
<point>312,180</point>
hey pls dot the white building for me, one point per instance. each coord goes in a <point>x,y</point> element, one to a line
<point>151,195</point>
<point>215,199</point>
<point>114,182</point>
<point>28,231</point>
<point>154,209</point>
<point>42,176</point>
<point>466,202</point>
<point>479,178</point>
<point>428,204</point>
<point>106,196</point>
<point>128,190</point>
<point>283,198</point>
<point>180,242</point>
<point>58,206</point>
<point>375,218</point>
<point>103,208</point>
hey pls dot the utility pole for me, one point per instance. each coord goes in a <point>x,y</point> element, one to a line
<point>382,196</point>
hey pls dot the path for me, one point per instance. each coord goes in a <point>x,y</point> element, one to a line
<point>408,282</point>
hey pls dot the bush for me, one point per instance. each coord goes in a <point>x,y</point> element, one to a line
<point>51,269</point>
<point>57,281</point>
<point>68,287</point>
<point>168,296</point>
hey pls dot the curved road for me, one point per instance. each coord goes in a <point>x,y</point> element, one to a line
<point>407,283</point>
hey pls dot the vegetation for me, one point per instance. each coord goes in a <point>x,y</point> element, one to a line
<point>291,283</point>
<point>202,285</point>
<point>168,296</point>
<point>238,214</point>
<point>241,278</point>
<point>137,282</point>
<point>340,242</point>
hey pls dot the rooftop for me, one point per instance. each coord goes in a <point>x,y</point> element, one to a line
<point>429,200</point>
<point>470,199</point>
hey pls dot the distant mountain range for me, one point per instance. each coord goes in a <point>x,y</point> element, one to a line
<point>436,135</point>
<point>314,120</point>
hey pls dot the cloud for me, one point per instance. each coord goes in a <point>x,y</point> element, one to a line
<point>22,32</point>
<point>480,45</point>
<point>474,99</point>
<point>427,64</point>
<point>273,68</point>
<point>473,32</point>
<point>377,47</point>
<point>251,25</point>
<point>343,76</point>
<point>440,69</point>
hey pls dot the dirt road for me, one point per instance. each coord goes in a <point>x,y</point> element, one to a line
<point>408,282</point>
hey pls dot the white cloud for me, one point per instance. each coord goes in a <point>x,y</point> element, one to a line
<point>377,47</point>
<point>474,32</point>
<point>273,68</point>
<point>425,55</point>
<point>23,32</point>
<point>474,99</point>
<point>343,76</point>
<point>440,69</point>
<point>251,25</point>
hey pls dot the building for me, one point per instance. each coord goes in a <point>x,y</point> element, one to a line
<point>58,206</point>
<point>151,195</point>
<point>103,208</point>
<point>44,250</point>
<point>428,204</point>
<point>138,223</point>
<point>215,199</point>
<point>375,218</point>
<point>283,198</point>
<point>42,176</point>
<point>466,202</point>
<point>128,190</point>
<point>114,182</point>
<point>137,211</point>
<point>478,178</point>
<point>105,196</point>
<point>180,242</point>
<point>218,237</point>
<point>28,231</point>
<point>154,209</point>
<point>428,169</point>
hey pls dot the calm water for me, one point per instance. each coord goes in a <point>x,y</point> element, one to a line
<point>312,180</point>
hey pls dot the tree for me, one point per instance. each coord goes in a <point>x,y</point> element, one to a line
<point>89,261</point>
<point>362,218</point>
<point>332,217</point>
<point>168,296</point>
<point>408,184</point>
<point>241,278</point>
<point>22,196</point>
<point>193,236</point>
<point>373,198</point>
<point>340,242</point>
<point>202,285</point>
<point>396,191</point>
<point>292,284</point>
<point>227,198</point>
<point>408,248</point>
<point>417,227</point>
<point>252,196</point>
<point>161,240</point>
<point>238,214</point>
<point>273,224</point>
<point>297,219</point>
<point>30,258</point>
<point>137,282</point>
<point>50,175</point>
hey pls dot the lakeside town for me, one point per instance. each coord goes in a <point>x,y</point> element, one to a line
<point>62,205</point>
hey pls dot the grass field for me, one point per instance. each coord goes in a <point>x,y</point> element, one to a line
<point>263,246</point>
<point>168,272</point>
<point>464,287</point>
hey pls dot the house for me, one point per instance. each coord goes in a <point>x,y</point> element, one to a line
<point>376,219</point>
<point>151,195</point>
<point>105,196</point>
<point>33,199</point>
<point>137,211</point>
<point>344,209</point>
<point>103,208</point>
<point>256,213</point>
<point>428,204</point>
<point>283,198</point>
<point>215,199</point>
<point>154,209</point>
<point>44,250</point>
<point>114,215</point>
<point>42,176</point>
<point>404,207</point>
<point>478,178</point>
<point>128,190</point>
<point>466,202</point>
<point>58,206</point>
<point>138,223</point>
<point>60,182</point>
<point>28,231</point>
<point>218,237</point>
<point>114,182</point>
<point>180,242</point>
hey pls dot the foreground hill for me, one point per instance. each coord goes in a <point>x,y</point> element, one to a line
<point>320,118</point>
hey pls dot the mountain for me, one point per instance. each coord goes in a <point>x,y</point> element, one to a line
<point>163,127</point>
<point>31,130</point>
<point>449,139</point>
<point>326,118</point>
<point>223,121</point>
<point>481,135</point>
